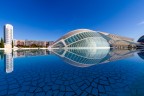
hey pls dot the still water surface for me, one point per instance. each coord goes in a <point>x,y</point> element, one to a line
<point>72,72</point>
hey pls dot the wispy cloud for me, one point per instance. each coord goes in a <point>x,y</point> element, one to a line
<point>141,23</point>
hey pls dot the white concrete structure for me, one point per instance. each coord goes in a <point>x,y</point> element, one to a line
<point>8,36</point>
<point>85,38</point>
<point>82,38</point>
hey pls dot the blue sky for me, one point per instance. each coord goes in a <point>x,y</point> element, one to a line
<point>50,19</point>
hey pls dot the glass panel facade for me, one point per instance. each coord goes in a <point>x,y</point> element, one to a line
<point>80,36</point>
<point>59,45</point>
<point>86,39</point>
<point>91,42</point>
<point>87,56</point>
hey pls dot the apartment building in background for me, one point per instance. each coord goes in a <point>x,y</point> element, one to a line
<point>32,43</point>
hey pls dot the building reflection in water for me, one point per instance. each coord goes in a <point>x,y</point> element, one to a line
<point>89,57</point>
<point>9,56</point>
<point>27,53</point>
<point>8,61</point>
<point>141,54</point>
<point>75,57</point>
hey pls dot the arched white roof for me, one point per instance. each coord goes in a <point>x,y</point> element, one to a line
<point>75,32</point>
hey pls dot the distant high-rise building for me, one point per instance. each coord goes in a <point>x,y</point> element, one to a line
<point>8,35</point>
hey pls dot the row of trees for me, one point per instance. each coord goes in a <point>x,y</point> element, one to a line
<point>30,46</point>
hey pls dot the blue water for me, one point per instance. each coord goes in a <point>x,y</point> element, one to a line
<point>74,72</point>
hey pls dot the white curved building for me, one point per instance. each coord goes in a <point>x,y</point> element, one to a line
<point>85,38</point>
<point>8,35</point>
<point>81,38</point>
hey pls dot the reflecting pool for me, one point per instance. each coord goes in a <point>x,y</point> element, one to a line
<point>72,72</point>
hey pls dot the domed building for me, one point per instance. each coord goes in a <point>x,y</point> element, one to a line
<point>141,39</point>
<point>140,43</point>
<point>85,38</point>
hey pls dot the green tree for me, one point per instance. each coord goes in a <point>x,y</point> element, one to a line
<point>33,45</point>
<point>2,43</point>
<point>12,44</point>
